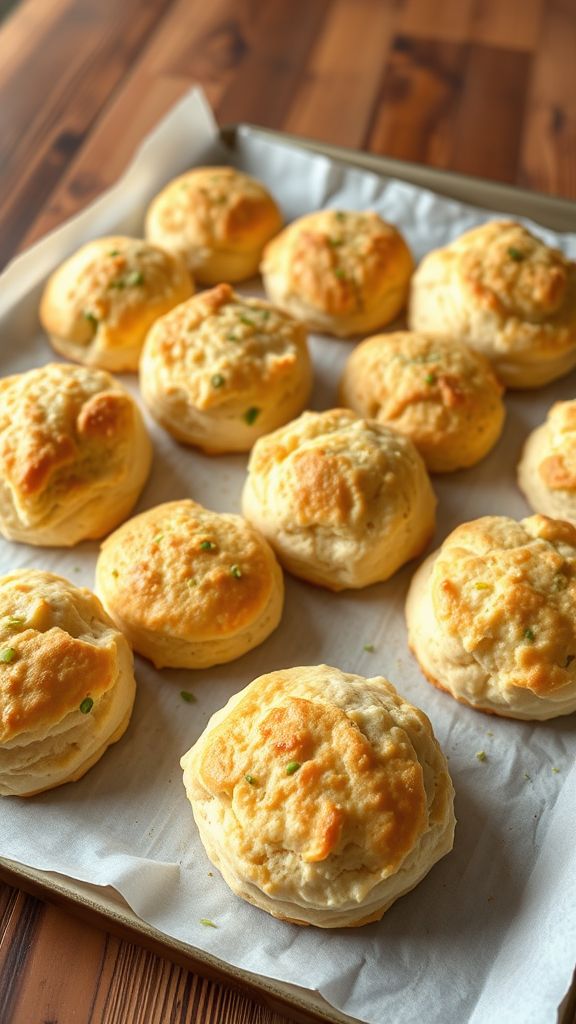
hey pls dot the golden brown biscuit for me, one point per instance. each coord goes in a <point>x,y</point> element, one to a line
<point>339,272</point>
<point>74,455</point>
<point>320,796</point>
<point>217,219</point>
<point>492,616</point>
<point>190,587</point>
<point>66,682</point>
<point>506,294</point>
<point>98,306</point>
<point>343,501</point>
<point>547,469</point>
<point>221,370</point>
<point>440,393</point>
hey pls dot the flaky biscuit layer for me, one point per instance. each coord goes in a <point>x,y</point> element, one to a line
<point>217,219</point>
<point>438,392</point>
<point>492,616</point>
<point>321,796</point>
<point>506,294</point>
<point>221,370</point>
<point>190,587</point>
<point>66,682</point>
<point>343,501</point>
<point>339,272</point>
<point>74,454</point>
<point>100,303</point>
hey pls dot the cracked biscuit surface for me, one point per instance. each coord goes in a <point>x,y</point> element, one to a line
<point>504,292</point>
<point>217,219</point>
<point>340,272</point>
<point>190,587</point>
<point>74,454</point>
<point>343,501</point>
<point>321,796</point>
<point>98,306</point>
<point>492,616</point>
<point>438,392</point>
<point>221,370</point>
<point>66,682</point>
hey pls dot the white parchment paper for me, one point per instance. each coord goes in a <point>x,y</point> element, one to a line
<point>490,935</point>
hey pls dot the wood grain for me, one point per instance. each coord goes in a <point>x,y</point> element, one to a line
<point>487,87</point>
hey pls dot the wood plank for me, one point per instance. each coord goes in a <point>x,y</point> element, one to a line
<point>338,90</point>
<point>442,20</point>
<point>548,153</point>
<point>501,23</point>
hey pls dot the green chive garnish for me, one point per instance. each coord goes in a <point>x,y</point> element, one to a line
<point>13,620</point>
<point>559,582</point>
<point>482,586</point>
<point>516,254</point>
<point>481,755</point>
<point>188,697</point>
<point>246,320</point>
<point>292,767</point>
<point>339,273</point>
<point>340,216</point>
<point>157,538</point>
<point>207,923</point>
<point>114,252</point>
<point>250,780</point>
<point>335,242</point>
<point>191,582</point>
<point>430,378</point>
<point>369,648</point>
<point>529,634</point>
<point>91,317</point>
<point>86,705</point>
<point>556,771</point>
<point>119,283</point>
<point>236,571</point>
<point>265,313</point>
<point>217,380</point>
<point>135,277</point>
<point>207,545</point>
<point>7,655</point>
<point>251,415</point>
<point>231,337</point>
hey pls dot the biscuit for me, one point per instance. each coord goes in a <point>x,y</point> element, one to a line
<point>343,501</point>
<point>74,455</point>
<point>503,292</point>
<point>320,796</point>
<point>440,393</point>
<point>547,469</point>
<point>341,273</point>
<point>66,682</point>
<point>217,219</point>
<point>98,306</point>
<point>492,616</point>
<point>221,370</point>
<point>190,588</point>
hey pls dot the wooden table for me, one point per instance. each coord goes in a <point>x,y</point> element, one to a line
<point>484,87</point>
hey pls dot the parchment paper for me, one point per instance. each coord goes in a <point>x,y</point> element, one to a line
<point>490,935</point>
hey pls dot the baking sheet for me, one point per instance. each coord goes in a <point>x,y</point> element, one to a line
<point>491,933</point>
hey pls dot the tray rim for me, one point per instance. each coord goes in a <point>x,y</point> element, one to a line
<point>113,914</point>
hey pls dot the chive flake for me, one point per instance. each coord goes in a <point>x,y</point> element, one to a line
<point>369,648</point>
<point>231,337</point>
<point>13,620</point>
<point>340,216</point>
<point>86,705</point>
<point>559,582</point>
<point>430,378</point>
<point>556,771</point>
<point>481,755</point>
<point>192,582</point>
<point>207,545</point>
<point>7,655</point>
<point>236,571</point>
<point>188,697</point>
<point>90,317</point>
<point>265,313</point>
<point>114,252</point>
<point>250,780</point>
<point>135,277</point>
<point>482,586</point>
<point>339,273</point>
<point>251,415</point>
<point>529,635</point>
<point>217,380</point>
<point>516,254</point>
<point>207,923</point>
<point>246,320</point>
<point>157,538</point>
<point>292,767</point>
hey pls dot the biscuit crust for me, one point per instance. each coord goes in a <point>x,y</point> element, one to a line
<point>505,293</point>
<point>222,370</point>
<point>339,272</point>
<point>189,587</point>
<point>438,392</point>
<point>343,501</point>
<point>547,469</point>
<point>217,219</point>
<point>74,454</point>
<point>321,796</point>
<point>99,304</point>
<point>66,682</point>
<point>492,616</point>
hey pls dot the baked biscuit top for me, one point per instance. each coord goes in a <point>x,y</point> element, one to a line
<point>63,428</point>
<point>338,261</point>
<point>507,591</point>
<point>219,346</point>
<point>183,570</point>
<point>58,652</point>
<point>319,770</point>
<point>218,207</point>
<point>110,283</point>
<point>558,469</point>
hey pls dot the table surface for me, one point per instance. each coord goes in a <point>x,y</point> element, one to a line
<point>483,87</point>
